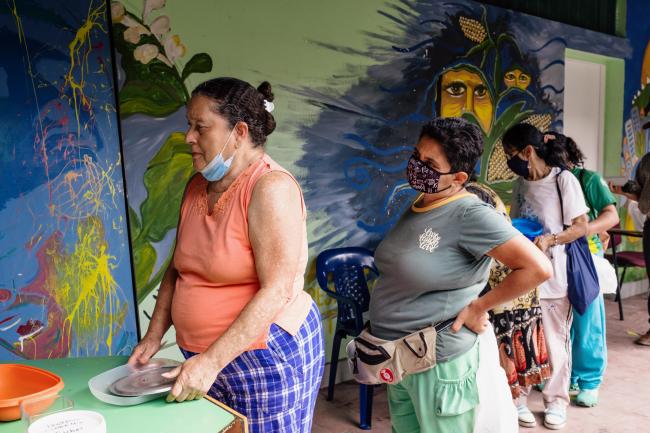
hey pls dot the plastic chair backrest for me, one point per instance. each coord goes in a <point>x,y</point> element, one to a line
<point>616,239</point>
<point>346,265</point>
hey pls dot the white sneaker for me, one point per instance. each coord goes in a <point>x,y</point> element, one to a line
<point>555,418</point>
<point>526,417</point>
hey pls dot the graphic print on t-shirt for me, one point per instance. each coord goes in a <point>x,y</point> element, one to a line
<point>429,240</point>
<point>526,211</point>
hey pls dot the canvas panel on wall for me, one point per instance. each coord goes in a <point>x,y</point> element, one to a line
<point>65,272</point>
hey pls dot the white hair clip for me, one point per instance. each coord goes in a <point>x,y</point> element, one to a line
<point>268,106</point>
<point>548,137</point>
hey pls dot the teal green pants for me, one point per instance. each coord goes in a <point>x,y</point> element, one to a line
<point>589,345</point>
<point>589,351</point>
<point>440,400</point>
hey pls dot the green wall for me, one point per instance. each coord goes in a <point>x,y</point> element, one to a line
<point>276,43</point>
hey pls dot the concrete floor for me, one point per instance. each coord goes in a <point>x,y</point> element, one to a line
<point>624,396</point>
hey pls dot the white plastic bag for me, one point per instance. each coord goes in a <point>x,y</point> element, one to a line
<point>496,413</point>
<point>606,275</point>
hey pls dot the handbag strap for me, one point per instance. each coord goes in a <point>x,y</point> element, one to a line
<point>441,326</point>
<point>559,194</point>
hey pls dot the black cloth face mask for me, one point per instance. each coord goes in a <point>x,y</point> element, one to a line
<point>423,178</point>
<point>519,166</point>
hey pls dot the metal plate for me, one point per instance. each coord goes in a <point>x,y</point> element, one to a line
<point>143,382</point>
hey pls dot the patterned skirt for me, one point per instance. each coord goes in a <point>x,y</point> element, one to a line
<point>522,347</point>
<point>520,337</point>
<point>517,324</point>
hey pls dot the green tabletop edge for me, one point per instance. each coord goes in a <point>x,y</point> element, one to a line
<point>155,416</point>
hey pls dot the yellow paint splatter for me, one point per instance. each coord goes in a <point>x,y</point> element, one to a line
<point>82,193</point>
<point>109,109</point>
<point>86,290</point>
<point>40,140</point>
<point>80,48</point>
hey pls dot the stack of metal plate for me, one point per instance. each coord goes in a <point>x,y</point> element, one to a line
<point>126,386</point>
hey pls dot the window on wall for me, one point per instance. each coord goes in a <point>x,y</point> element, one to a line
<point>605,16</point>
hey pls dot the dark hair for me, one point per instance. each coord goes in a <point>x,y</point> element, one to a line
<point>481,193</point>
<point>238,101</point>
<point>573,153</point>
<point>461,141</point>
<point>524,134</point>
<point>641,176</point>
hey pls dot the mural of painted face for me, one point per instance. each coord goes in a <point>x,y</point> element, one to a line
<point>516,78</point>
<point>208,133</point>
<point>464,91</point>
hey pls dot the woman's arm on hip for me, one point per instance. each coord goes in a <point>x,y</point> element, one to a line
<point>530,267</point>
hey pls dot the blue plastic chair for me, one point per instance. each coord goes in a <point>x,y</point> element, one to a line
<point>346,267</point>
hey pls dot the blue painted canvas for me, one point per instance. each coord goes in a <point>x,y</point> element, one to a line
<point>65,272</point>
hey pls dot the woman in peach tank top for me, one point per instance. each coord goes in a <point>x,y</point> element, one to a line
<point>251,336</point>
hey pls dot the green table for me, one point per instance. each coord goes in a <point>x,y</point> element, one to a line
<point>157,416</point>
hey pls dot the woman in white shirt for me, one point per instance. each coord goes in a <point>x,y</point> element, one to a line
<point>539,162</point>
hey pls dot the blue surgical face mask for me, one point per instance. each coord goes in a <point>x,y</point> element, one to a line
<point>217,168</point>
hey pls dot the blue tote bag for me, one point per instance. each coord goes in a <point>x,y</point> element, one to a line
<point>582,279</point>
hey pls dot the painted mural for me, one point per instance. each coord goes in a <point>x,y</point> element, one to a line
<point>152,96</point>
<point>636,139</point>
<point>636,135</point>
<point>492,66</point>
<point>448,59</point>
<point>348,110</point>
<point>65,271</point>
<point>636,142</point>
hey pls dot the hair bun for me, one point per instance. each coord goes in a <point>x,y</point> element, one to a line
<point>266,91</point>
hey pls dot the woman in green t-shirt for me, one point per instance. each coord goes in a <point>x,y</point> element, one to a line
<point>432,265</point>
<point>588,343</point>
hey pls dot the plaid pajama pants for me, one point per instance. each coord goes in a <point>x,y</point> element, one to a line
<point>276,388</point>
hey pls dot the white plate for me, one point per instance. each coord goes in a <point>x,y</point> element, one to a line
<point>100,384</point>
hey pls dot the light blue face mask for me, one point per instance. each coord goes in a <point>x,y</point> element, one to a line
<point>217,168</point>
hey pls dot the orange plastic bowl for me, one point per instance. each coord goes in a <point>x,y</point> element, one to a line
<point>21,382</point>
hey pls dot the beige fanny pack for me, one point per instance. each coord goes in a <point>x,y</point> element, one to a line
<point>374,361</point>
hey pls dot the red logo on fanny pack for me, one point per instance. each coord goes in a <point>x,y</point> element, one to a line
<point>386,375</point>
